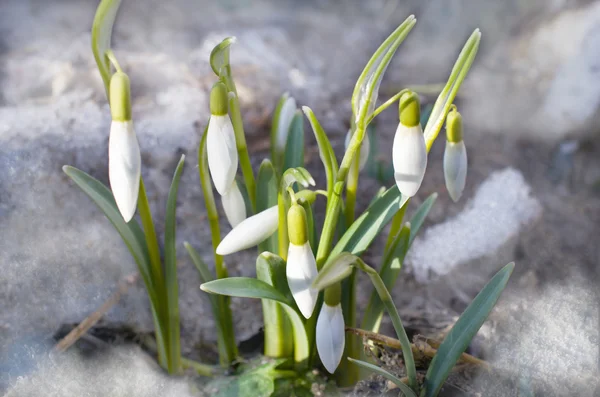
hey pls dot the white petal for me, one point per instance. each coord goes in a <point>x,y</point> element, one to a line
<point>455,168</point>
<point>409,155</point>
<point>364,149</point>
<point>234,205</point>
<point>330,336</point>
<point>250,232</point>
<point>222,152</point>
<point>285,120</point>
<point>124,167</point>
<point>301,271</point>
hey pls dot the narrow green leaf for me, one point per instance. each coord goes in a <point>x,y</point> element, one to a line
<point>326,152</point>
<point>131,233</point>
<point>270,268</point>
<point>389,272</point>
<point>367,86</point>
<point>301,341</point>
<point>446,97</point>
<point>458,339</point>
<point>361,233</point>
<point>294,148</point>
<point>266,197</point>
<point>244,287</point>
<point>275,127</point>
<point>172,286</point>
<point>101,33</point>
<point>407,391</point>
<point>419,216</point>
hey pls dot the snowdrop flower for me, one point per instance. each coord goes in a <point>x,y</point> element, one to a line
<point>301,268</point>
<point>284,121</point>
<point>409,152</point>
<point>220,142</point>
<point>455,156</point>
<point>365,148</point>
<point>330,332</point>
<point>250,232</point>
<point>234,205</point>
<point>124,159</point>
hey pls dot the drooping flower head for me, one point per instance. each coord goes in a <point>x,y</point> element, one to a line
<point>250,232</point>
<point>409,152</point>
<point>301,267</point>
<point>220,143</point>
<point>455,156</point>
<point>124,158</point>
<point>330,332</point>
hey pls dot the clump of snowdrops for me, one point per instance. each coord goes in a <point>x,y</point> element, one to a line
<point>305,272</point>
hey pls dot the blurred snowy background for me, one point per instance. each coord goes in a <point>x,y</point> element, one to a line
<point>532,110</point>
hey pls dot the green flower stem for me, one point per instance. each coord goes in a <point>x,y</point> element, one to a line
<point>386,105</point>
<point>225,337</point>
<point>242,148</point>
<point>157,275</point>
<point>386,298</point>
<point>283,238</point>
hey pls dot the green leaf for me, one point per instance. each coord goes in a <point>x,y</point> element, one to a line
<point>266,197</point>
<point>205,274</point>
<point>172,287</point>
<point>244,287</point>
<point>326,152</point>
<point>367,86</point>
<point>101,32</point>
<point>419,216</point>
<point>446,97</point>
<point>294,148</point>
<point>131,233</point>
<point>407,391</point>
<point>334,271</point>
<point>361,233</point>
<point>270,268</point>
<point>458,339</point>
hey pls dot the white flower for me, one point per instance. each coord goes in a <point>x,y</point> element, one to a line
<point>286,114</point>
<point>250,232</point>
<point>301,271</point>
<point>330,336</point>
<point>222,152</point>
<point>124,167</point>
<point>365,148</point>
<point>455,168</point>
<point>409,156</point>
<point>234,205</point>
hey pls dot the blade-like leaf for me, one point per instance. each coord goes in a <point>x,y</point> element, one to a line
<point>326,152</point>
<point>244,287</point>
<point>275,127</point>
<point>334,271</point>
<point>367,86</point>
<point>294,148</point>
<point>101,33</point>
<point>270,268</point>
<point>407,391</point>
<point>444,100</point>
<point>361,233</point>
<point>266,197</point>
<point>171,273</point>
<point>131,233</point>
<point>390,269</point>
<point>419,216</point>
<point>458,339</point>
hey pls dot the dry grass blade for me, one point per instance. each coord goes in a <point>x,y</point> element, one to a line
<point>425,347</point>
<point>93,318</point>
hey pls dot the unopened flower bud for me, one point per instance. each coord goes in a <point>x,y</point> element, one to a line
<point>409,151</point>
<point>455,156</point>
<point>220,143</point>
<point>301,268</point>
<point>124,158</point>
